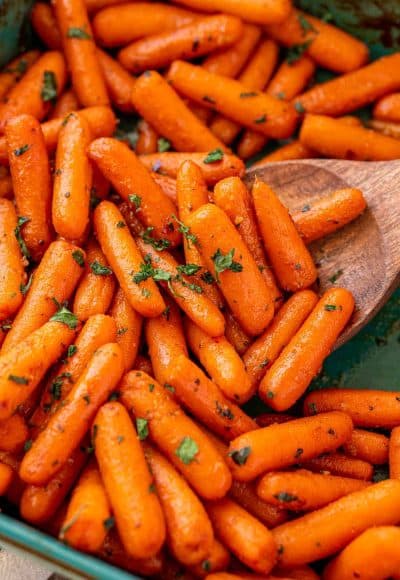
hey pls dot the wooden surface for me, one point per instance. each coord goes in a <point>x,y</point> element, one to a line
<point>368,249</point>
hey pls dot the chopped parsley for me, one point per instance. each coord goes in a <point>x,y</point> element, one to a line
<point>247,95</point>
<point>306,25</point>
<point>28,444</point>
<point>208,99</point>
<point>312,407</point>
<point>142,428</point>
<point>187,450</point>
<point>185,231</point>
<point>49,86</point>
<point>159,245</point>
<point>332,307</point>
<point>21,150</point>
<point>224,411</point>
<point>99,269</point>
<point>299,107</point>
<point>189,269</point>
<point>206,565</point>
<point>285,497</point>
<point>207,277</point>
<point>78,257</point>
<point>169,388</point>
<point>72,349</point>
<point>25,287</point>
<point>18,380</point>
<point>224,262</point>
<point>75,32</point>
<point>109,523</point>
<point>299,452</point>
<point>261,119</point>
<point>239,456</point>
<point>214,156</point>
<point>296,51</point>
<point>66,317</point>
<point>136,200</point>
<point>23,247</point>
<point>163,145</point>
<point>335,276</point>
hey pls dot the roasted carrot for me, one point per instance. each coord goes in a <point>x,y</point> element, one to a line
<point>162,107</point>
<point>114,552</point>
<point>147,142</point>
<point>6,477</point>
<point>290,259</point>
<point>45,25</point>
<point>185,445</point>
<point>264,114</point>
<point>341,465</point>
<point>217,559</point>
<point>53,283</point>
<point>13,434</point>
<point>15,69</point>
<point>313,537</point>
<point>118,82</point>
<point>129,327</point>
<point>66,103</point>
<point>283,385</point>
<point>235,334</point>
<point>11,262</point>
<point>168,164</point>
<point>244,535</point>
<point>368,446</point>
<point>123,169</point>
<point>394,453</point>
<point>253,11</point>
<point>228,258</point>
<point>86,522</point>
<point>300,439</point>
<point>367,408</point>
<point>388,108</point>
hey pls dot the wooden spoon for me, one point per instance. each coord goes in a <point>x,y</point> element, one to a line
<point>366,251</point>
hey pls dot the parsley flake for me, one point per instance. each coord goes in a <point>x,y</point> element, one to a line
<point>78,257</point>
<point>49,86</point>
<point>142,428</point>
<point>75,32</point>
<point>299,107</point>
<point>248,95</point>
<point>66,317</point>
<point>18,380</point>
<point>189,269</point>
<point>286,497</point>
<point>261,119</point>
<point>99,269</point>
<point>109,523</point>
<point>208,99</point>
<point>296,51</point>
<point>21,150</point>
<point>28,445</point>
<point>335,276</point>
<point>72,349</point>
<point>25,287</point>
<point>159,245</point>
<point>163,145</point>
<point>23,247</point>
<point>187,450</point>
<point>136,200</point>
<point>185,231</point>
<point>214,156</point>
<point>239,456</point>
<point>224,262</point>
<point>332,307</point>
<point>305,24</point>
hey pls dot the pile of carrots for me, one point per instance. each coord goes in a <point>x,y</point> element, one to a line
<point>148,293</point>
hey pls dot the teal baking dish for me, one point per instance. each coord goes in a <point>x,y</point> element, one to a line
<point>370,360</point>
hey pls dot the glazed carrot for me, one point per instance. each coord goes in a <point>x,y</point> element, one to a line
<point>253,11</point>
<point>124,258</point>
<point>158,51</point>
<point>122,24</point>
<point>262,113</point>
<point>161,106</point>
<point>73,179</point>
<point>217,559</point>
<point>245,536</point>
<point>235,334</point>
<point>95,5</point>
<point>368,446</point>
<point>206,402</point>
<point>189,532</point>
<point>293,150</point>
<point>290,259</point>
<point>230,61</point>
<point>13,434</point>
<point>86,522</point>
<point>6,477</point>
<point>129,327</point>
<point>169,163</point>
<point>228,258</point>
<point>118,82</point>
<point>147,142</point>
<point>128,176</point>
<point>389,129</point>
<point>113,552</point>
<point>255,76</point>
<point>176,435</point>
<point>221,362</point>
<point>284,384</point>
<point>96,288</point>
<point>328,214</point>
<point>299,440</point>
<point>339,464</point>
<point>6,186</point>
<point>187,295</point>
<point>265,350</point>
<point>15,69</point>
<point>367,408</point>
<point>100,185</point>
<point>11,262</point>
<point>303,490</point>
<point>388,108</point>
<point>39,504</point>
<point>165,340</point>
<point>394,453</point>
<point>66,103</point>
<point>232,196</point>
<point>312,536</point>
<point>327,45</point>
<point>80,52</point>
<point>44,24</point>
<point>34,93</point>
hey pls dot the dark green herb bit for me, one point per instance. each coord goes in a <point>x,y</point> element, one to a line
<point>21,150</point>
<point>72,349</point>
<point>136,200</point>
<point>122,331</point>
<point>189,269</point>
<point>23,247</point>
<point>185,231</point>
<point>224,411</point>
<point>121,224</point>
<point>297,266</point>
<point>86,398</point>
<point>114,396</point>
<point>335,276</point>
<point>195,287</point>
<point>380,474</point>
<point>169,387</point>
<point>109,523</point>
<point>66,317</point>
<point>248,95</point>
<point>151,387</point>
<point>286,497</point>
<point>305,24</point>
<point>49,86</point>
<point>152,488</point>
<point>261,119</point>
<point>206,565</point>
<point>207,277</point>
<point>120,438</point>
<point>305,208</point>
<point>239,456</point>
<point>28,444</point>
<point>20,68</point>
<point>281,549</point>
<point>224,262</point>
<point>145,292</point>
<point>208,99</point>
<point>163,145</point>
<point>214,156</point>
<point>270,395</point>
<point>142,428</point>
<point>25,287</point>
<point>78,257</point>
<point>299,107</point>
<point>264,363</point>
<point>99,269</point>
<point>159,245</point>
<point>166,313</point>
<point>18,380</point>
<point>187,450</point>
<point>75,32</point>
<point>296,51</point>
<point>281,96</point>
<point>299,453</point>
<point>332,307</point>
<point>64,122</point>
<point>312,407</point>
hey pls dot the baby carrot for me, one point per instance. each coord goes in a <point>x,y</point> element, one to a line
<point>39,503</point>
<point>137,510</point>
<point>299,440</point>
<point>114,552</point>
<point>232,196</point>
<point>362,558</point>
<point>53,283</point>
<point>6,186</point>
<point>80,52</point>
<point>389,129</point>
<point>329,213</point>
<point>313,537</point>
<point>217,559</point>
<point>44,23</point>
<point>235,269</point>
<point>368,446</point>
<point>86,522</point>
<point>15,69</point>
<point>189,296</point>
<point>33,94</point>
<point>96,288</point>
<point>249,540</point>
<point>303,490</point>
<point>259,11</point>
<point>162,107</point>
<point>394,453</point>
<point>388,108</point>
<point>284,384</point>
<point>93,6</point>
<point>327,45</point>
<point>123,169</point>
<point>23,366</point>
<point>73,179</point>
<point>176,435</point>
<point>13,434</point>
<point>11,262</point>
<point>293,150</point>
<point>124,258</point>
<point>260,112</point>
<point>129,328</point>
<point>66,103</point>
<point>221,361</point>
<point>225,165</point>
<point>347,142</point>
<point>119,25</point>
<point>290,259</point>
<point>6,477</point>
<point>342,465</point>
<point>158,51</point>
<point>147,142</point>
<point>206,402</point>
<point>265,349</point>
<point>118,82</point>
<point>235,334</point>
<point>367,408</point>
<point>189,532</point>
<point>30,172</point>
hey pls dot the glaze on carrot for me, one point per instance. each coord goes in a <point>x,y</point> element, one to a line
<point>11,262</point>
<point>129,327</point>
<point>394,453</point>
<point>118,81</point>
<point>13,434</point>
<point>15,69</point>
<point>388,108</point>
<point>44,23</point>
<point>66,103</point>
<point>368,446</point>
<point>341,465</point>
